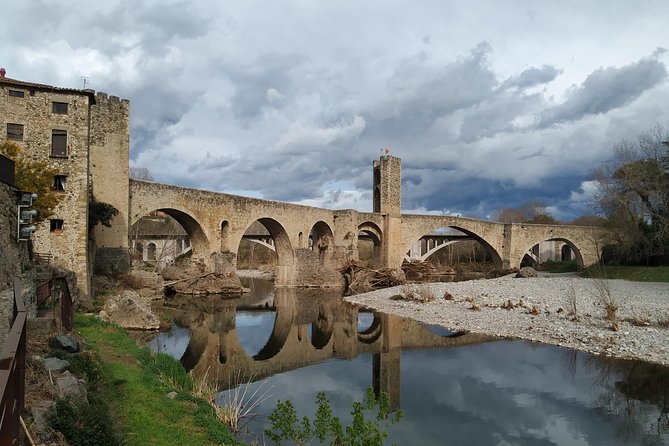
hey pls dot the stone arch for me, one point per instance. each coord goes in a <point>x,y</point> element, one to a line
<point>434,250</point>
<point>198,238</point>
<point>225,232</point>
<point>284,251</point>
<point>490,249</point>
<point>374,233</point>
<point>373,332</point>
<point>322,241</point>
<point>283,323</point>
<point>578,256</point>
<point>565,253</point>
<point>321,329</point>
<point>151,252</point>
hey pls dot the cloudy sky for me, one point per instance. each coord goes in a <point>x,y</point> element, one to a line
<point>488,103</point>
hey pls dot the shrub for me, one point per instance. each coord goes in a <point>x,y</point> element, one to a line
<point>363,430</point>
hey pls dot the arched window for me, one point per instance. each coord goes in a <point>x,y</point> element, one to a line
<point>151,252</point>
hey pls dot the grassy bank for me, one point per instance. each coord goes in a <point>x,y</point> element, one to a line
<point>136,383</point>
<point>634,273</point>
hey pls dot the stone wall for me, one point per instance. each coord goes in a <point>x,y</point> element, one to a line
<point>13,255</point>
<point>109,151</point>
<point>35,111</point>
<point>14,261</point>
<point>312,271</point>
<point>387,185</point>
<point>110,148</point>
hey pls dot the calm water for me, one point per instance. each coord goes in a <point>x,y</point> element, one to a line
<point>454,390</point>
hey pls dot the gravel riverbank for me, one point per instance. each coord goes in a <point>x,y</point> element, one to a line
<point>477,306</point>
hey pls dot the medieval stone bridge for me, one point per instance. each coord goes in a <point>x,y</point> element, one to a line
<point>216,223</point>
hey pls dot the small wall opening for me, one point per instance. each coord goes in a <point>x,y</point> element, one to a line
<point>225,229</point>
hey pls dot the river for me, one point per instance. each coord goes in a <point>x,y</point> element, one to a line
<point>455,389</point>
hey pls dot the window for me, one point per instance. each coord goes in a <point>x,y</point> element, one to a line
<point>59,183</point>
<point>15,132</point>
<point>60,107</point>
<point>59,143</point>
<point>17,93</point>
<point>56,226</point>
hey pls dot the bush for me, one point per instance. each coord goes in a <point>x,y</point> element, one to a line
<point>86,421</point>
<point>363,430</point>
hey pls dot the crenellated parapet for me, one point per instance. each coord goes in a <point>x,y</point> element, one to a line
<point>109,172</point>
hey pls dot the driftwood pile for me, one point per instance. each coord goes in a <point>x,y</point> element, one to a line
<point>360,278</point>
<point>418,268</point>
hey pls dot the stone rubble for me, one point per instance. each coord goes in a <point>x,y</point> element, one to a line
<point>536,309</point>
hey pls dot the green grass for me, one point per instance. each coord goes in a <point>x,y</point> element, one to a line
<point>137,383</point>
<point>559,267</point>
<point>634,273</point>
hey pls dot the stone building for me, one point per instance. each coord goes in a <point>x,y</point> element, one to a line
<point>85,137</point>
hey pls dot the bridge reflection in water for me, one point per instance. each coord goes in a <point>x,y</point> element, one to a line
<point>310,326</point>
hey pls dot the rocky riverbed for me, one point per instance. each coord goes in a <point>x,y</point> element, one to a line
<point>538,309</point>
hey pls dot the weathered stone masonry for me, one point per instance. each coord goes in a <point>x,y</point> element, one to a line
<point>95,151</point>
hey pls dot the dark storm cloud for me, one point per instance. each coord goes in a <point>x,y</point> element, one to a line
<point>532,77</point>
<point>254,79</point>
<point>497,115</point>
<point>420,94</point>
<point>480,197</point>
<point>606,89</point>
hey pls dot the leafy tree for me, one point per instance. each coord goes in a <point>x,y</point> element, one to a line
<point>100,212</point>
<point>633,192</point>
<point>363,431</point>
<point>34,176</point>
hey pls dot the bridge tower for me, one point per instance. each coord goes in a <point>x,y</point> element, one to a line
<point>387,189</point>
<point>387,185</point>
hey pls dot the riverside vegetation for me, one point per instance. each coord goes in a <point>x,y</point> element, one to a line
<point>127,387</point>
<point>137,397</point>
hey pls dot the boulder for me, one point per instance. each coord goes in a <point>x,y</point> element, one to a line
<point>129,311</point>
<point>69,386</point>
<point>146,279</point>
<point>56,365</point>
<point>526,272</point>
<point>40,409</point>
<point>65,342</point>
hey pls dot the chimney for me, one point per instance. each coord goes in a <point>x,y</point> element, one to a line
<point>2,72</point>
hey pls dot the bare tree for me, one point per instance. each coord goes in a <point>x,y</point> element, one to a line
<point>633,192</point>
<point>532,211</point>
<point>140,173</point>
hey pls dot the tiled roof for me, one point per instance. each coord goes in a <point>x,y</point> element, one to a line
<point>149,226</point>
<point>18,83</point>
